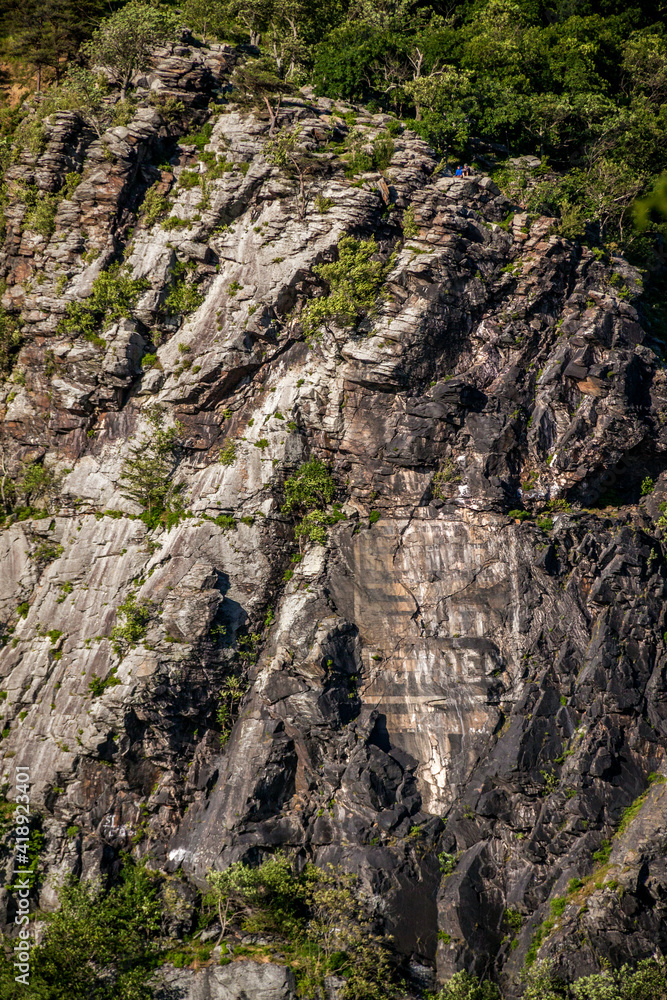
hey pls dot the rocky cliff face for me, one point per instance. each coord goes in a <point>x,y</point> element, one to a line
<point>456,703</point>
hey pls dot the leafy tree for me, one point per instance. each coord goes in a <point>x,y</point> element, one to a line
<point>283,151</point>
<point>147,474</point>
<point>34,489</point>
<point>230,696</point>
<point>132,618</point>
<point>259,81</point>
<point>443,104</point>
<point>124,42</point>
<point>323,914</point>
<point>265,899</point>
<point>205,17</point>
<point>45,34</point>
<point>254,15</point>
<point>311,487</point>
<point>382,14</point>
<point>655,202</point>
<point>100,945</point>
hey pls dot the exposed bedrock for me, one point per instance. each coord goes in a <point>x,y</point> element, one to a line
<point>456,703</point>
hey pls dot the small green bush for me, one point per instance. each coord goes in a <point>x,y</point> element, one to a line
<point>410,227</point>
<point>183,298</point>
<point>228,453</point>
<point>41,218</point>
<point>10,341</point>
<point>100,943</point>
<point>113,296</point>
<point>323,205</point>
<point>153,206</point>
<point>225,521</point>
<point>97,686</point>
<point>448,473</point>
<point>173,222</point>
<point>199,139</point>
<point>189,179</point>
<point>603,853</point>
<point>354,281</point>
<point>308,495</point>
<point>147,476</point>
<point>383,150</point>
<point>132,619</point>
<point>463,986</point>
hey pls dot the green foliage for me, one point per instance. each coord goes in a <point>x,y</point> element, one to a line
<point>124,41</point>
<point>646,981</point>
<point>41,214</point>
<point>46,552</point>
<point>147,474</point>
<point>10,342</point>
<point>225,521</point>
<point>174,222</point>
<point>354,282</point>
<point>228,453</point>
<point>308,495</point>
<point>153,206</point>
<point>310,488</point>
<point>97,686</point>
<point>323,205</point>
<point>258,81</point>
<point>132,620</point>
<point>448,474</point>
<point>448,862</point>
<point>113,295</point>
<point>410,227</point>
<point>647,486</point>
<point>512,920</point>
<point>31,493</point>
<point>183,298</point>
<point>199,139</point>
<point>360,162</point>
<point>100,945</point>
<point>601,856</point>
<point>231,694</point>
<point>463,986</point>
<point>321,916</point>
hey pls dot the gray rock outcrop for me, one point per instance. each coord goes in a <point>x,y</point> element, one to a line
<point>455,701</point>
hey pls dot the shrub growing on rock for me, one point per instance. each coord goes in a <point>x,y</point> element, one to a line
<point>113,295</point>
<point>309,494</point>
<point>319,916</point>
<point>354,282</point>
<point>99,944</point>
<point>147,474</point>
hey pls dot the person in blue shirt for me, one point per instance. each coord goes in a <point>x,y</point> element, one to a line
<point>459,172</point>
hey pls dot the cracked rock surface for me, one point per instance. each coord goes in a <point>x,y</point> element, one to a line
<point>444,681</point>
